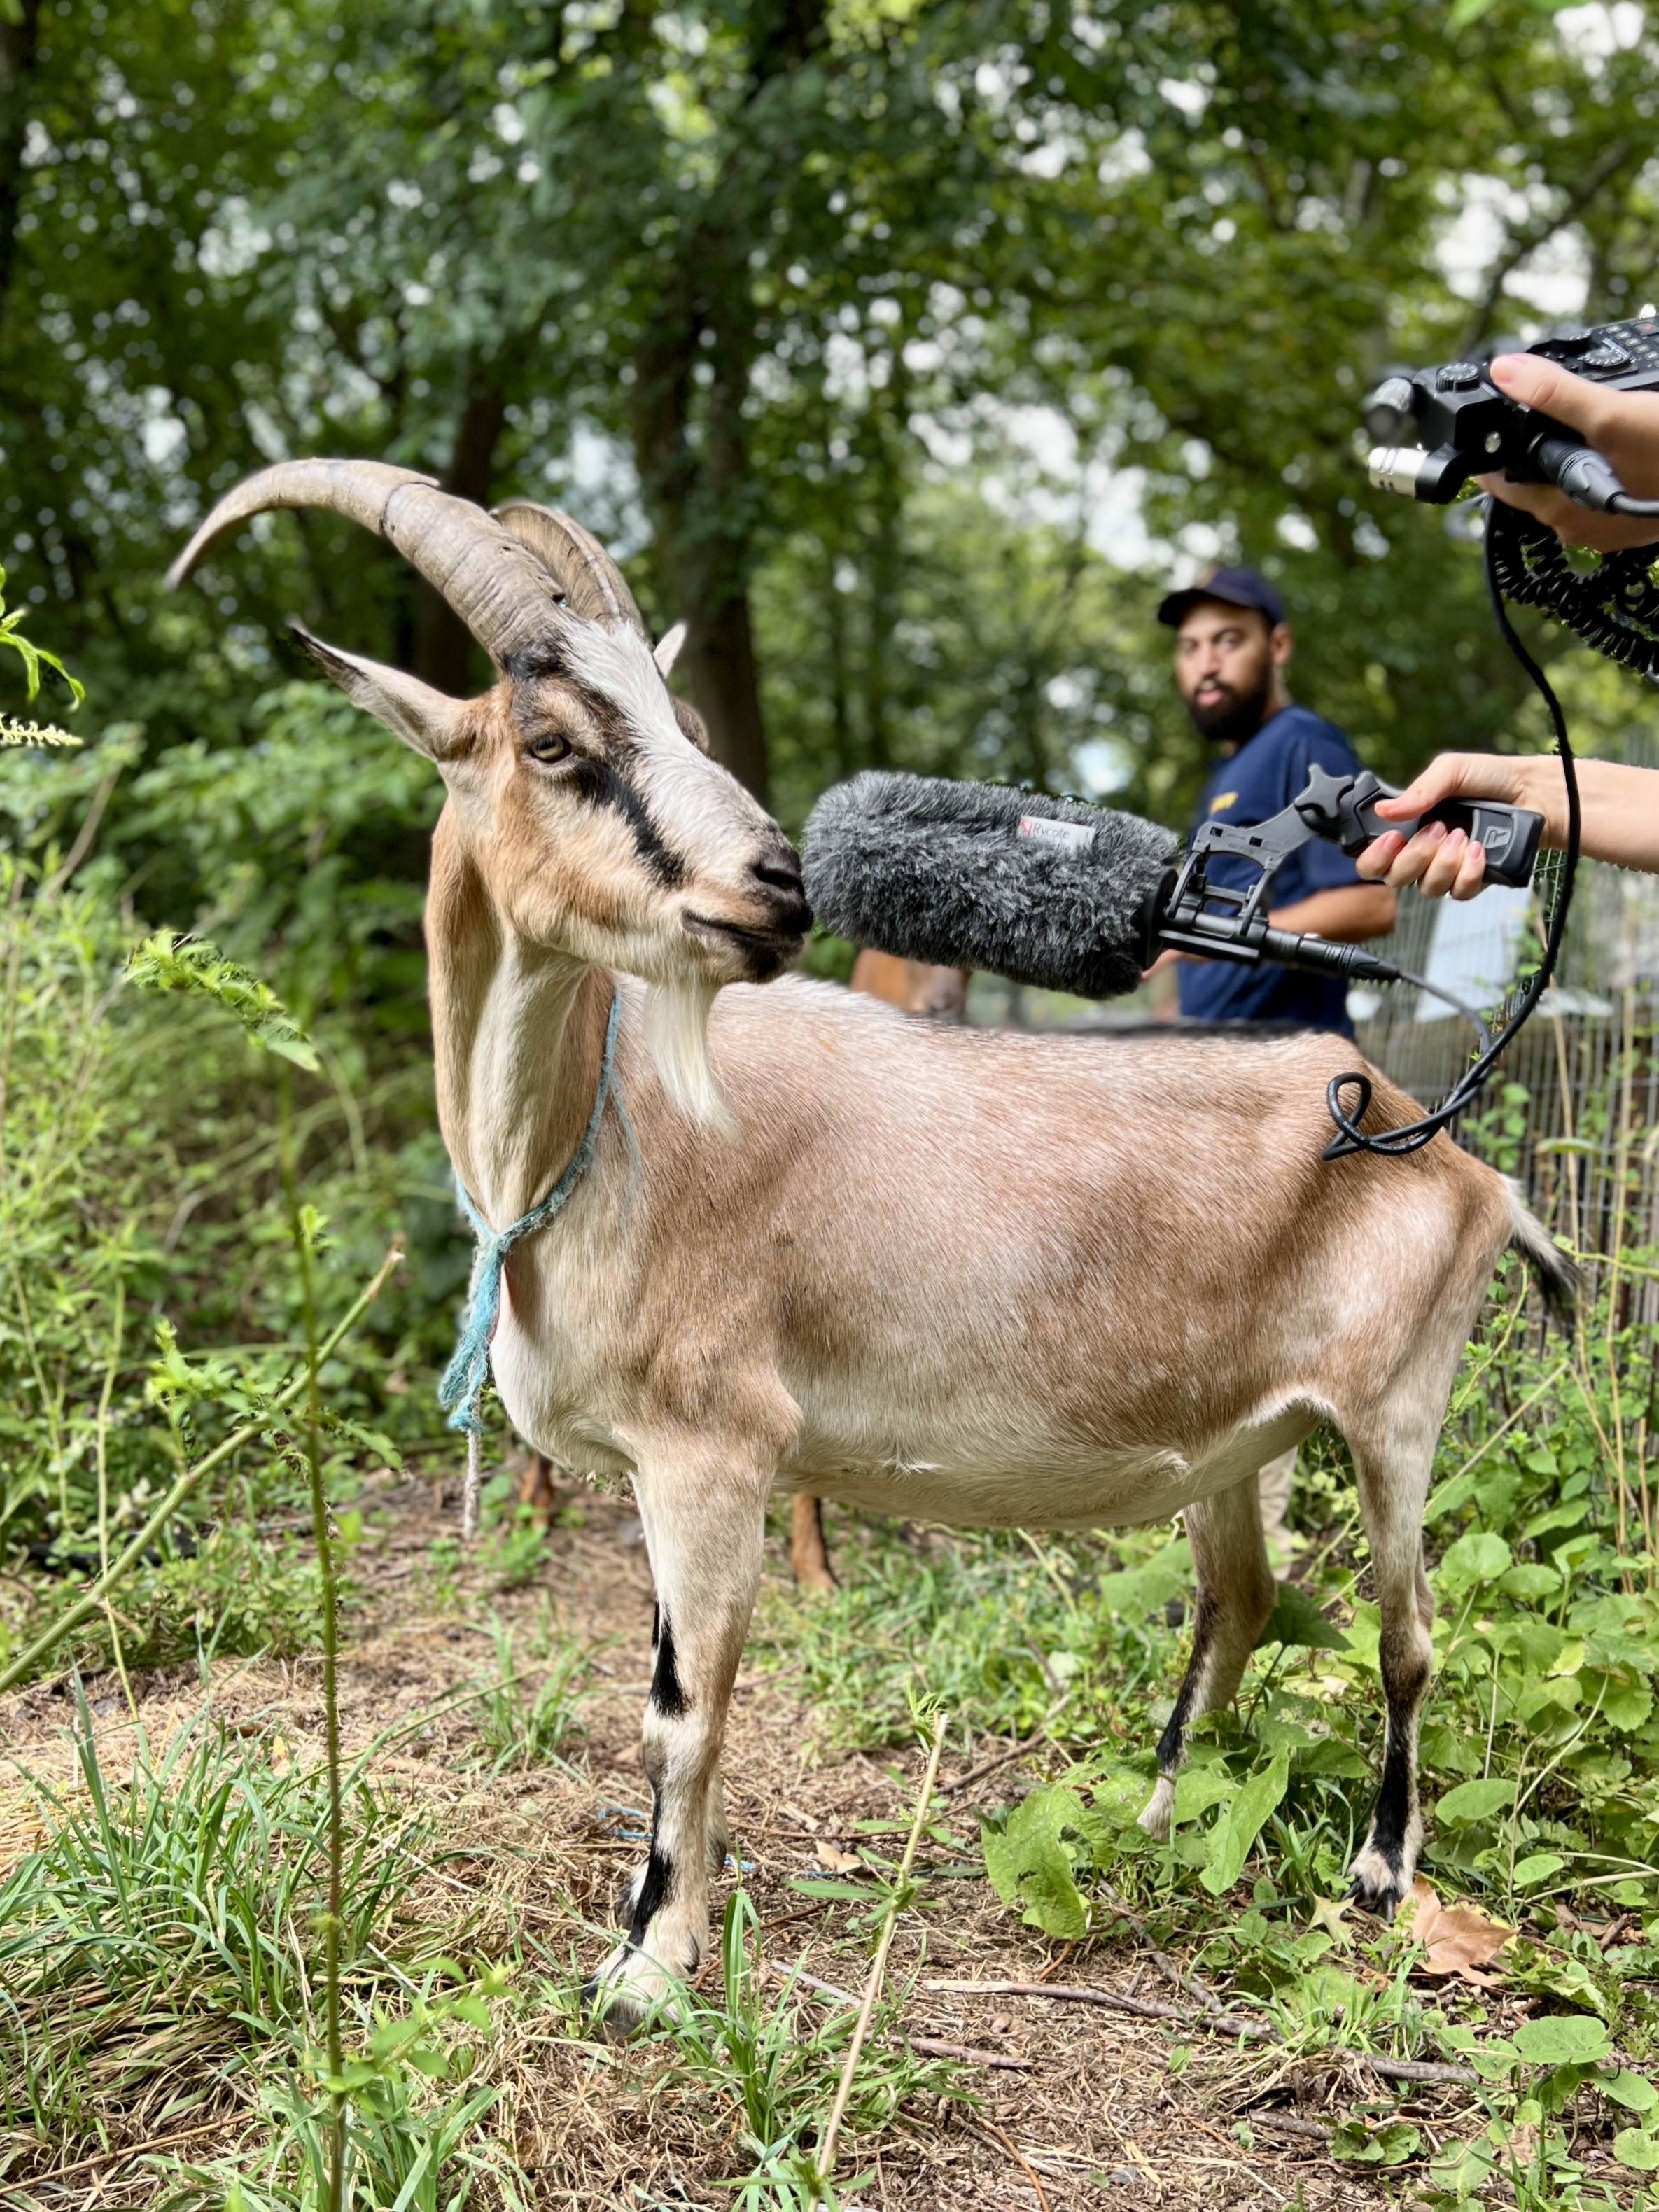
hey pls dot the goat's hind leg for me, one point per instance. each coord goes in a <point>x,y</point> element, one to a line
<point>1393,1476</point>
<point>1236,1595</point>
<point>705,1536</point>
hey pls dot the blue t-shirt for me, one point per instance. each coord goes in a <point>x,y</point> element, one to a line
<point>1261,778</point>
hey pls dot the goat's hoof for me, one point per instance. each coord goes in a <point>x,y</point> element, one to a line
<point>631,1991</point>
<point>1159,1811</point>
<point>1376,1886</point>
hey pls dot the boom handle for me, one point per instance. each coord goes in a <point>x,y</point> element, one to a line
<point>1510,834</point>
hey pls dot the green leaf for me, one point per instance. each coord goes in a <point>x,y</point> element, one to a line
<point>1636,2148</point>
<point>1389,2145</point>
<point>1633,2091</point>
<point>1236,1831</point>
<point>1134,1592</point>
<point>1198,1788</point>
<point>1562,2040</point>
<point>1031,1866</point>
<point>811,1885</point>
<point>1296,1619</point>
<point>1480,1557</point>
<point>1530,1581</point>
<point>1537,1867</point>
<point>1475,1801</point>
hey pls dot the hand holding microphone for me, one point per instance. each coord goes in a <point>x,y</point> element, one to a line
<point>1065,897</point>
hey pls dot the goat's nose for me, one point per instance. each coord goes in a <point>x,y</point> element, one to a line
<point>780,868</point>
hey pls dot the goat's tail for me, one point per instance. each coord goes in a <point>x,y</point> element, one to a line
<point>1558,1277</point>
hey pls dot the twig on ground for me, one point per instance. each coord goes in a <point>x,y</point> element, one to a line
<point>826,2154</point>
<point>1191,1985</point>
<point>934,2046</point>
<point>987,1766</point>
<point>990,2128</point>
<point>794,1976</point>
<point>1218,2023</point>
<point>1289,2124</point>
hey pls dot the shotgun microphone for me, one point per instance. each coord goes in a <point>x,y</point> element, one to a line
<point>1072,897</point>
<point>1049,892</point>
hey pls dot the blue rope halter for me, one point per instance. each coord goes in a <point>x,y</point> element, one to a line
<point>461,1390</point>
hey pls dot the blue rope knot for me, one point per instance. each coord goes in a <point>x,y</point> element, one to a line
<point>461,1390</point>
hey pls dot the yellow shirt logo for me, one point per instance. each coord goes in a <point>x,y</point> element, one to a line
<point>1223,799</point>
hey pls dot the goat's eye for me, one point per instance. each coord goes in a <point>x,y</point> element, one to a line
<point>548,747</point>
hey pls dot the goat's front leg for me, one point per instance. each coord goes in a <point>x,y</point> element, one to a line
<point>1394,1487</point>
<point>705,1533</point>
<point>1236,1594</point>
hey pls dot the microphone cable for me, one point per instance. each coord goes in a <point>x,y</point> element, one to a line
<point>1394,1144</point>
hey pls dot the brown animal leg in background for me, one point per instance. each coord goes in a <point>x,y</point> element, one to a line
<point>809,1555</point>
<point>536,1490</point>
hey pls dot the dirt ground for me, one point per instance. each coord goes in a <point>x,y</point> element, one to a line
<point>1078,2103</point>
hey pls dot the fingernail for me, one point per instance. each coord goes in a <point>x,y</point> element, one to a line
<point>1503,368</point>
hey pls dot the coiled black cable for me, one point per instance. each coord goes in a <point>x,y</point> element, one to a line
<point>1395,1143</point>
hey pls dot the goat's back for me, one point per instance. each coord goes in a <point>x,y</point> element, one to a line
<point>1142,1223</point>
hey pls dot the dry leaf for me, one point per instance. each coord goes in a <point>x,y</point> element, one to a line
<point>834,1861</point>
<point>1330,1913</point>
<point>1457,1939</point>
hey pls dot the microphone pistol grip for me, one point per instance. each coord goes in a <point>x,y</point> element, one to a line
<point>1510,834</point>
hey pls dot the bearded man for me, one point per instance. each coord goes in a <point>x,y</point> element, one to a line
<point>1233,645</point>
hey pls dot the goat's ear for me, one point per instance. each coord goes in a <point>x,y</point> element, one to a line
<point>428,720</point>
<point>690,722</point>
<point>667,649</point>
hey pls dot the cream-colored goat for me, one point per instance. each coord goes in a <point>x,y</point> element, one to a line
<point>1146,1282</point>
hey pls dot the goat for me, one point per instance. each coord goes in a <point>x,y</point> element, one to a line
<point>1147,1281</point>
<point>919,987</point>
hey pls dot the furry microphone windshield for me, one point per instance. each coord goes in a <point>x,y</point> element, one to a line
<point>1045,891</point>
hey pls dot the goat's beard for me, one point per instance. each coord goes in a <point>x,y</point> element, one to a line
<point>676,1035</point>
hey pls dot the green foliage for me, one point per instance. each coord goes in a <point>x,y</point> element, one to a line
<point>1033,1858</point>
<point>165,963</point>
<point>185,1891</point>
<point>522,1723</point>
<point>778,2066</point>
<point>34,658</point>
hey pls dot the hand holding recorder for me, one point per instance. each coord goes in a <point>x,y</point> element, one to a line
<point>1623,427</point>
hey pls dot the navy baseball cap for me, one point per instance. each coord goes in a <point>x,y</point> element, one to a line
<point>1239,587</point>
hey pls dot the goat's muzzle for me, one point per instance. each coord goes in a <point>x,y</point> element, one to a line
<point>775,916</point>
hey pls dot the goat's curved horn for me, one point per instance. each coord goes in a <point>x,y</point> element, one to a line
<point>589,579</point>
<point>500,589</point>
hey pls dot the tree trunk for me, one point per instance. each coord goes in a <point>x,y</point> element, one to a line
<point>18,45</point>
<point>441,647</point>
<point>722,681</point>
<point>699,495</point>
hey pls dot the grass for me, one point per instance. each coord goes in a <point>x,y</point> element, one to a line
<point>522,1722</point>
<point>176,1911</point>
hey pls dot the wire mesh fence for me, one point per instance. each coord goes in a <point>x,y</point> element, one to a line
<point>1573,1109</point>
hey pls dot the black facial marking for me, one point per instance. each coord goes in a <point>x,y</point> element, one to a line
<point>545,657</point>
<point>666,1694</point>
<point>602,785</point>
<point>654,1891</point>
